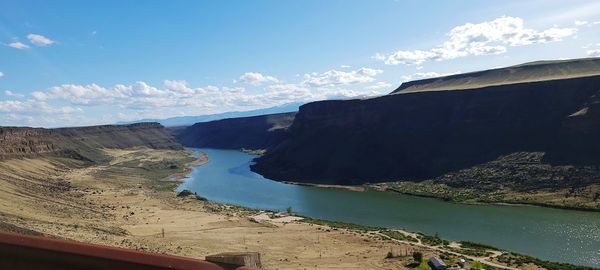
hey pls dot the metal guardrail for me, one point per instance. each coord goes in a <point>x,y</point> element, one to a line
<point>19,251</point>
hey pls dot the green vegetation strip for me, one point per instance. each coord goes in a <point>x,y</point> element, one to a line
<point>473,245</point>
<point>398,236</point>
<point>432,240</point>
<point>341,225</point>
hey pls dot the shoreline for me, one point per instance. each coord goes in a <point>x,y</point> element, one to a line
<point>199,161</point>
<point>408,237</point>
<point>358,188</point>
<point>451,248</point>
<point>483,202</point>
<point>128,204</point>
<point>376,187</point>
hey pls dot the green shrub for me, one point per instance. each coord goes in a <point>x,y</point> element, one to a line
<point>474,245</point>
<point>398,236</point>
<point>417,256</point>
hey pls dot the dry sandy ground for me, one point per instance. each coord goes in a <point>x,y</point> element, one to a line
<point>119,204</point>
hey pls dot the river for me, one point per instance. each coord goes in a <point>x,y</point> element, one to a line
<point>550,234</point>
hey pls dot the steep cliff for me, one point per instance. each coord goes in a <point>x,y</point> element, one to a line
<point>81,142</point>
<point>425,134</point>
<point>256,132</point>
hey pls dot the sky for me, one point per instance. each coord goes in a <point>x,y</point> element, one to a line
<point>75,63</point>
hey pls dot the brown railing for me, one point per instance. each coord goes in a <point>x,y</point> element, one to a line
<point>42,253</point>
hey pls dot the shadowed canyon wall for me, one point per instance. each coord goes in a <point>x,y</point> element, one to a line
<point>416,135</point>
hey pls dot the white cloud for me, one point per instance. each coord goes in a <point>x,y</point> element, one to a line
<point>32,107</point>
<point>255,78</point>
<point>9,93</point>
<point>181,87</point>
<point>39,40</point>
<point>18,45</point>
<point>336,77</point>
<point>345,66</point>
<point>378,57</point>
<point>491,37</point>
<point>177,97</point>
<point>586,23</point>
<point>1,74</point>
<point>593,53</point>
<point>58,105</point>
<point>39,96</point>
<point>415,57</point>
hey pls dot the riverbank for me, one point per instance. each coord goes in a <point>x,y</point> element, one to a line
<point>351,188</point>
<point>201,159</point>
<point>427,189</point>
<point>568,199</point>
<point>126,203</point>
<point>227,179</point>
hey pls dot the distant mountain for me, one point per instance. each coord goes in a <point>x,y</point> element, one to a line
<point>254,132</point>
<point>190,120</point>
<point>528,72</point>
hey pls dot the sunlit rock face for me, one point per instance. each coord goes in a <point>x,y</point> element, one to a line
<point>82,142</point>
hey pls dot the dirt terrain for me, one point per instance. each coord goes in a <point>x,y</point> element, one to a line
<point>124,203</point>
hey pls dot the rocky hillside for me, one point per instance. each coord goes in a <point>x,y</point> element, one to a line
<point>414,135</point>
<point>81,142</point>
<point>529,72</point>
<point>256,132</point>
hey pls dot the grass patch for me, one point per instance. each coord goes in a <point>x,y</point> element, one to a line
<point>340,224</point>
<point>432,240</point>
<point>163,186</point>
<point>398,235</point>
<point>429,189</point>
<point>471,251</point>
<point>423,266</point>
<point>474,245</point>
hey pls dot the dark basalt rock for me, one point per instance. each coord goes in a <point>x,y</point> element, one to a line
<point>255,132</point>
<point>422,135</point>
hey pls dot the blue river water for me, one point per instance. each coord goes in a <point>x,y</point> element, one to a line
<point>550,234</point>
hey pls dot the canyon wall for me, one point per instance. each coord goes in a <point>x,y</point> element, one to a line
<point>256,132</point>
<point>82,142</point>
<point>416,135</point>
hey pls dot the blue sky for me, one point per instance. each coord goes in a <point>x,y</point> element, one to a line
<point>68,63</point>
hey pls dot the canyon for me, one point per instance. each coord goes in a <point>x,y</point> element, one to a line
<point>82,142</point>
<point>421,135</point>
<point>255,132</point>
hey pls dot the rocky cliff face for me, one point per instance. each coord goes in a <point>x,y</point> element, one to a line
<point>417,135</point>
<point>257,132</point>
<point>81,142</point>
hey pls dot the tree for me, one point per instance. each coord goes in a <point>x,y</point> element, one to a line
<point>289,210</point>
<point>417,256</point>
